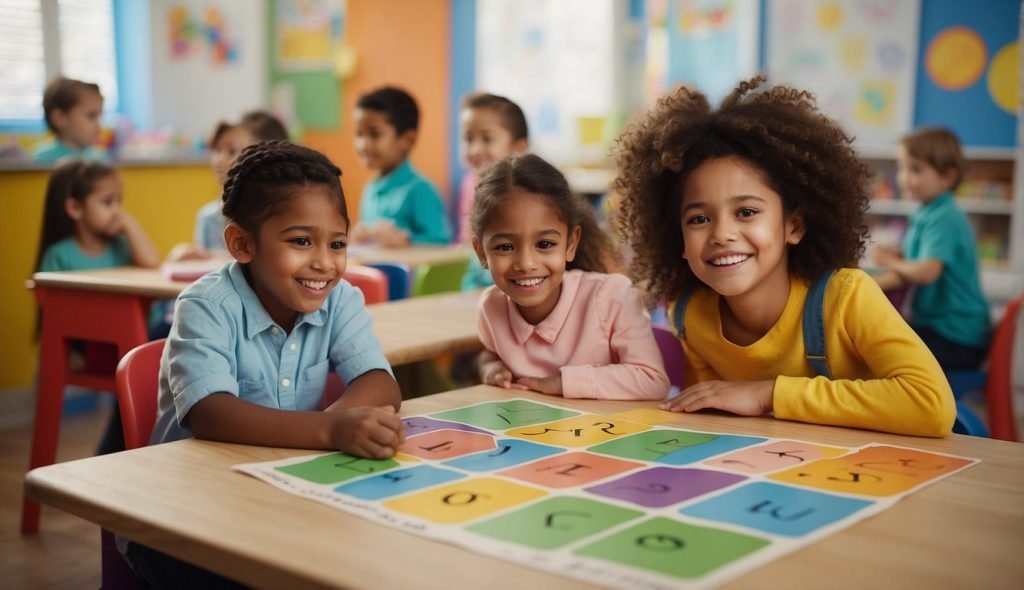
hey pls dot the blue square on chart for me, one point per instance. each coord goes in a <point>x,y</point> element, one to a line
<point>398,482</point>
<point>722,443</point>
<point>509,452</point>
<point>776,509</point>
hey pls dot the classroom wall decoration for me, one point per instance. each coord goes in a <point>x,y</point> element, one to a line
<point>625,500</point>
<point>857,56</point>
<point>968,76</point>
<point>207,34</point>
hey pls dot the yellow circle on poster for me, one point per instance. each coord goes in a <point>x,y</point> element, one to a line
<point>830,16</point>
<point>1003,83</point>
<point>955,58</point>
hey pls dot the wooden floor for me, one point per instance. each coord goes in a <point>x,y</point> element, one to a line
<point>66,551</point>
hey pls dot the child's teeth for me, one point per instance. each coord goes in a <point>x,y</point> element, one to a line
<point>529,282</point>
<point>314,284</point>
<point>724,260</point>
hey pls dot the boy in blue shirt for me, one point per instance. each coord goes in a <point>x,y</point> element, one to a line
<point>939,256</point>
<point>399,207</point>
<point>72,109</point>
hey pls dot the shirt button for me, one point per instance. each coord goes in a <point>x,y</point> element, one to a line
<point>286,382</point>
<point>293,347</point>
<point>275,330</point>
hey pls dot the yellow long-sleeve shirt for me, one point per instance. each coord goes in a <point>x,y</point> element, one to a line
<point>883,376</point>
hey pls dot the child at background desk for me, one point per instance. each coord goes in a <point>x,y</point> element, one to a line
<point>769,196</point>
<point>72,109</point>
<point>84,228</point>
<point>399,207</point>
<point>493,128</point>
<point>554,322</point>
<point>227,141</point>
<point>251,345</point>
<point>939,258</point>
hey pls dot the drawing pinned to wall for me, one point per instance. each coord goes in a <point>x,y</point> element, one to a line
<point>1004,79</point>
<point>310,34</point>
<point>656,64</point>
<point>956,58</point>
<point>193,35</point>
<point>857,56</point>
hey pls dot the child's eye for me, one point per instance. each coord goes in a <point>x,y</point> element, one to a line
<point>338,245</point>
<point>506,247</point>
<point>302,242</point>
<point>545,244</point>
<point>698,219</point>
<point>746,212</point>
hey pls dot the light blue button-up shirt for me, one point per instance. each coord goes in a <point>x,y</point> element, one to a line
<point>223,340</point>
<point>209,229</point>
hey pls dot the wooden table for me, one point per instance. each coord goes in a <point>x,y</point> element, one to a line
<point>111,305</point>
<point>966,531</point>
<point>411,256</point>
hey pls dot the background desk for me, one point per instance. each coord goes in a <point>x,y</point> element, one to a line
<point>966,531</point>
<point>110,305</point>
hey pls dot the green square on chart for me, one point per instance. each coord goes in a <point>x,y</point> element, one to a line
<point>673,548</point>
<point>506,414</point>
<point>554,522</point>
<point>336,468</point>
<point>652,445</point>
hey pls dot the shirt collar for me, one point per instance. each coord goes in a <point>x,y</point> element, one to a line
<point>549,328</point>
<point>257,320</point>
<point>397,177</point>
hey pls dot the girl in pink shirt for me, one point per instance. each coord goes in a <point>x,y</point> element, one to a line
<point>554,321</point>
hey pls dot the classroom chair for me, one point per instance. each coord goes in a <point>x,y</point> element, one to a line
<point>997,382</point>
<point>399,278</point>
<point>442,277</point>
<point>672,354</point>
<point>372,282</point>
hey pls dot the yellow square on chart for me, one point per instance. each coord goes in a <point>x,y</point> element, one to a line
<point>578,431</point>
<point>465,500</point>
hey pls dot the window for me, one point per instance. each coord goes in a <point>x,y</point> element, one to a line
<point>40,39</point>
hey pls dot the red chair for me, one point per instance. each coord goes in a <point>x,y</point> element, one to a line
<point>372,282</point>
<point>137,385</point>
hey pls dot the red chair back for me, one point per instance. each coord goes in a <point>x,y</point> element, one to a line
<point>999,384</point>
<point>137,385</point>
<point>372,282</point>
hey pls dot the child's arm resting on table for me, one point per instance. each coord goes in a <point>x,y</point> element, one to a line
<point>374,432</point>
<point>493,371</point>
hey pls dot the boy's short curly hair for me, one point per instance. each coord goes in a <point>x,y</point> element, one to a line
<point>801,154</point>
<point>62,94</point>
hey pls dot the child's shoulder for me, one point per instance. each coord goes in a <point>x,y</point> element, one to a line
<point>219,287</point>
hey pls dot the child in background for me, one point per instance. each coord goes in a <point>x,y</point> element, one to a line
<point>251,345</point>
<point>399,207</point>
<point>228,140</point>
<point>554,322</point>
<point>493,128</point>
<point>72,109</point>
<point>770,196</point>
<point>939,257</point>
<point>84,228</point>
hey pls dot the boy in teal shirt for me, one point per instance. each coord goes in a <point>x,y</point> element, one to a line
<point>399,207</point>
<point>939,256</point>
<point>72,109</point>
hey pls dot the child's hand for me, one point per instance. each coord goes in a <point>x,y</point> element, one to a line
<point>496,373</point>
<point>746,398</point>
<point>372,432</point>
<point>547,385</point>
<point>386,235</point>
<point>359,234</point>
<point>188,251</point>
<point>885,254</point>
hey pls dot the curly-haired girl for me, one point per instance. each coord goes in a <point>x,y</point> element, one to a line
<point>769,196</point>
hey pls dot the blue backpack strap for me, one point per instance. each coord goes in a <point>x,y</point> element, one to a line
<point>680,312</point>
<point>814,325</point>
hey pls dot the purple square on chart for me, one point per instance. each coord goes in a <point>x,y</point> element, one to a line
<point>663,486</point>
<point>421,424</point>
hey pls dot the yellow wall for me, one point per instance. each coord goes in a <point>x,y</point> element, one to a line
<point>163,198</point>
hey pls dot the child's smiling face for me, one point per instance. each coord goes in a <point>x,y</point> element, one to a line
<point>735,230</point>
<point>526,247</point>
<point>486,139</point>
<point>298,255</point>
<point>378,143</point>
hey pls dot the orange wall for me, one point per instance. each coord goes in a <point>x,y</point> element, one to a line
<point>405,43</point>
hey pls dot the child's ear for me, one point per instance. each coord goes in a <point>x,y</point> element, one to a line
<point>949,177</point>
<point>407,139</point>
<point>795,228</point>
<point>520,146</point>
<point>73,209</point>
<point>59,119</point>
<point>241,244</point>
<point>479,248</point>
<point>574,241</point>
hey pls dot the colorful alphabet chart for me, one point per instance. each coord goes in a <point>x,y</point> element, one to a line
<point>617,500</point>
